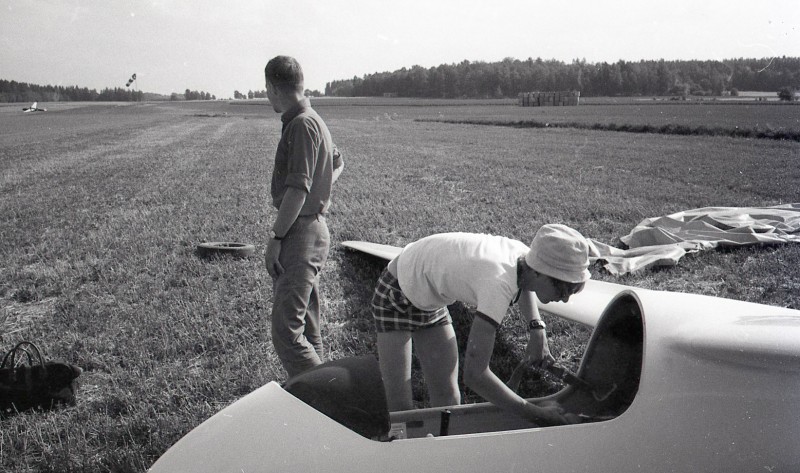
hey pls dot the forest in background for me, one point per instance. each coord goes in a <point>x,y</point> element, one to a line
<point>503,79</point>
<point>509,77</point>
<point>13,91</point>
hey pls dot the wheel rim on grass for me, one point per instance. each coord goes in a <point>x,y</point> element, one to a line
<point>225,248</point>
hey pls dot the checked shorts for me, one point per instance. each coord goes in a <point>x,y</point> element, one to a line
<point>394,312</point>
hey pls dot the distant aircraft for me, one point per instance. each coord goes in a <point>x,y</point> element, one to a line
<point>34,108</point>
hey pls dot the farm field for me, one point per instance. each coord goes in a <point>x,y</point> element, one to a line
<point>622,111</point>
<point>102,206</point>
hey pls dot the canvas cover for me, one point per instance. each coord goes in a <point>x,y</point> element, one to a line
<point>662,241</point>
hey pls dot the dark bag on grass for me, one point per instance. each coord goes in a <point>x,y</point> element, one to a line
<point>28,382</point>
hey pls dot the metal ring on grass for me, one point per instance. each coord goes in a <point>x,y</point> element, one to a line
<point>225,248</point>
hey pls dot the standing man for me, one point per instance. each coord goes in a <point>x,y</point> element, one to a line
<point>306,166</point>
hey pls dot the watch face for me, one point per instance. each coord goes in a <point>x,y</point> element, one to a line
<point>536,324</point>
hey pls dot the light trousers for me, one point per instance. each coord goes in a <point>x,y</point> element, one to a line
<point>295,317</point>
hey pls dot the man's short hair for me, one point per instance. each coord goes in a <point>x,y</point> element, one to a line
<point>285,74</point>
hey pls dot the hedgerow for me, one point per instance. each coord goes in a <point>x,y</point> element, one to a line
<point>668,129</point>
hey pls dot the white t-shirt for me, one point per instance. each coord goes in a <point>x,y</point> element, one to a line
<point>476,269</point>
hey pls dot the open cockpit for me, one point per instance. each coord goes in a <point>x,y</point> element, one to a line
<point>608,380</point>
<point>350,390</point>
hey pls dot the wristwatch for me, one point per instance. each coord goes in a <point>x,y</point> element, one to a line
<point>536,324</point>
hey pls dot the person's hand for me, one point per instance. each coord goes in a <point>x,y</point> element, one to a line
<point>550,415</point>
<point>537,353</point>
<point>274,267</point>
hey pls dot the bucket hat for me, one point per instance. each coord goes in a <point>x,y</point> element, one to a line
<point>560,252</point>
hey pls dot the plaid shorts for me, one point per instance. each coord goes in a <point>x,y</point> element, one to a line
<point>393,311</point>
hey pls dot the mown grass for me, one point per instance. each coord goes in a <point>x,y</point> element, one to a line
<point>101,209</point>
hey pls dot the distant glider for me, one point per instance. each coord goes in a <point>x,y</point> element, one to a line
<point>34,108</point>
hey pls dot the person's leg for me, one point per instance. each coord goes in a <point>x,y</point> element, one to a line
<point>288,325</point>
<point>312,331</point>
<point>394,356</point>
<point>295,313</point>
<point>437,352</point>
<point>319,256</point>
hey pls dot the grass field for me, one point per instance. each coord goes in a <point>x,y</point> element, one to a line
<point>102,206</point>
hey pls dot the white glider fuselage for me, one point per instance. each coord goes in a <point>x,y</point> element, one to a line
<point>715,387</point>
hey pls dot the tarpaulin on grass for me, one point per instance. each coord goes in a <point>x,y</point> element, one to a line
<point>662,241</point>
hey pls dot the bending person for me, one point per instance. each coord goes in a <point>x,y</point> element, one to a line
<point>486,271</point>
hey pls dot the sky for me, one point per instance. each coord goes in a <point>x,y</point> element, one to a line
<point>222,46</point>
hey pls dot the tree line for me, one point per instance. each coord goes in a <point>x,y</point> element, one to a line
<point>503,79</point>
<point>193,95</point>
<point>262,94</point>
<point>509,77</point>
<point>12,91</point>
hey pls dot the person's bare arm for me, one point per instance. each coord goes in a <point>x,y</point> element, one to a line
<point>480,378</point>
<point>538,350</point>
<point>338,165</point>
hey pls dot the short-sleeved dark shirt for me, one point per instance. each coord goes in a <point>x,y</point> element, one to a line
<point>305,159</point>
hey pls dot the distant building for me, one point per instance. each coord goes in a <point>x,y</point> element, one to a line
<point>390,94</point>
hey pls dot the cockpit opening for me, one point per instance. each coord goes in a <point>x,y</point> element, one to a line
<point>350,390</point>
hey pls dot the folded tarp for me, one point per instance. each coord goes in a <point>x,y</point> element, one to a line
<point>662,241</point>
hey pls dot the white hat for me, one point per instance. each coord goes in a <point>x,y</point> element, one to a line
<point>560,252</point>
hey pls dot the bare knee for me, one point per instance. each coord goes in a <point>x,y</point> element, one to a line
<point>444,396</point>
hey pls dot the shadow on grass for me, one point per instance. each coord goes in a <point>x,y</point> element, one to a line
<point>359,272</point>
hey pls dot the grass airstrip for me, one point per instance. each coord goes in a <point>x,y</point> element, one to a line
<point>103,205</point>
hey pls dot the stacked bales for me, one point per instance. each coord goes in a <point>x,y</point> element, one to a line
<point>549,99</point>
